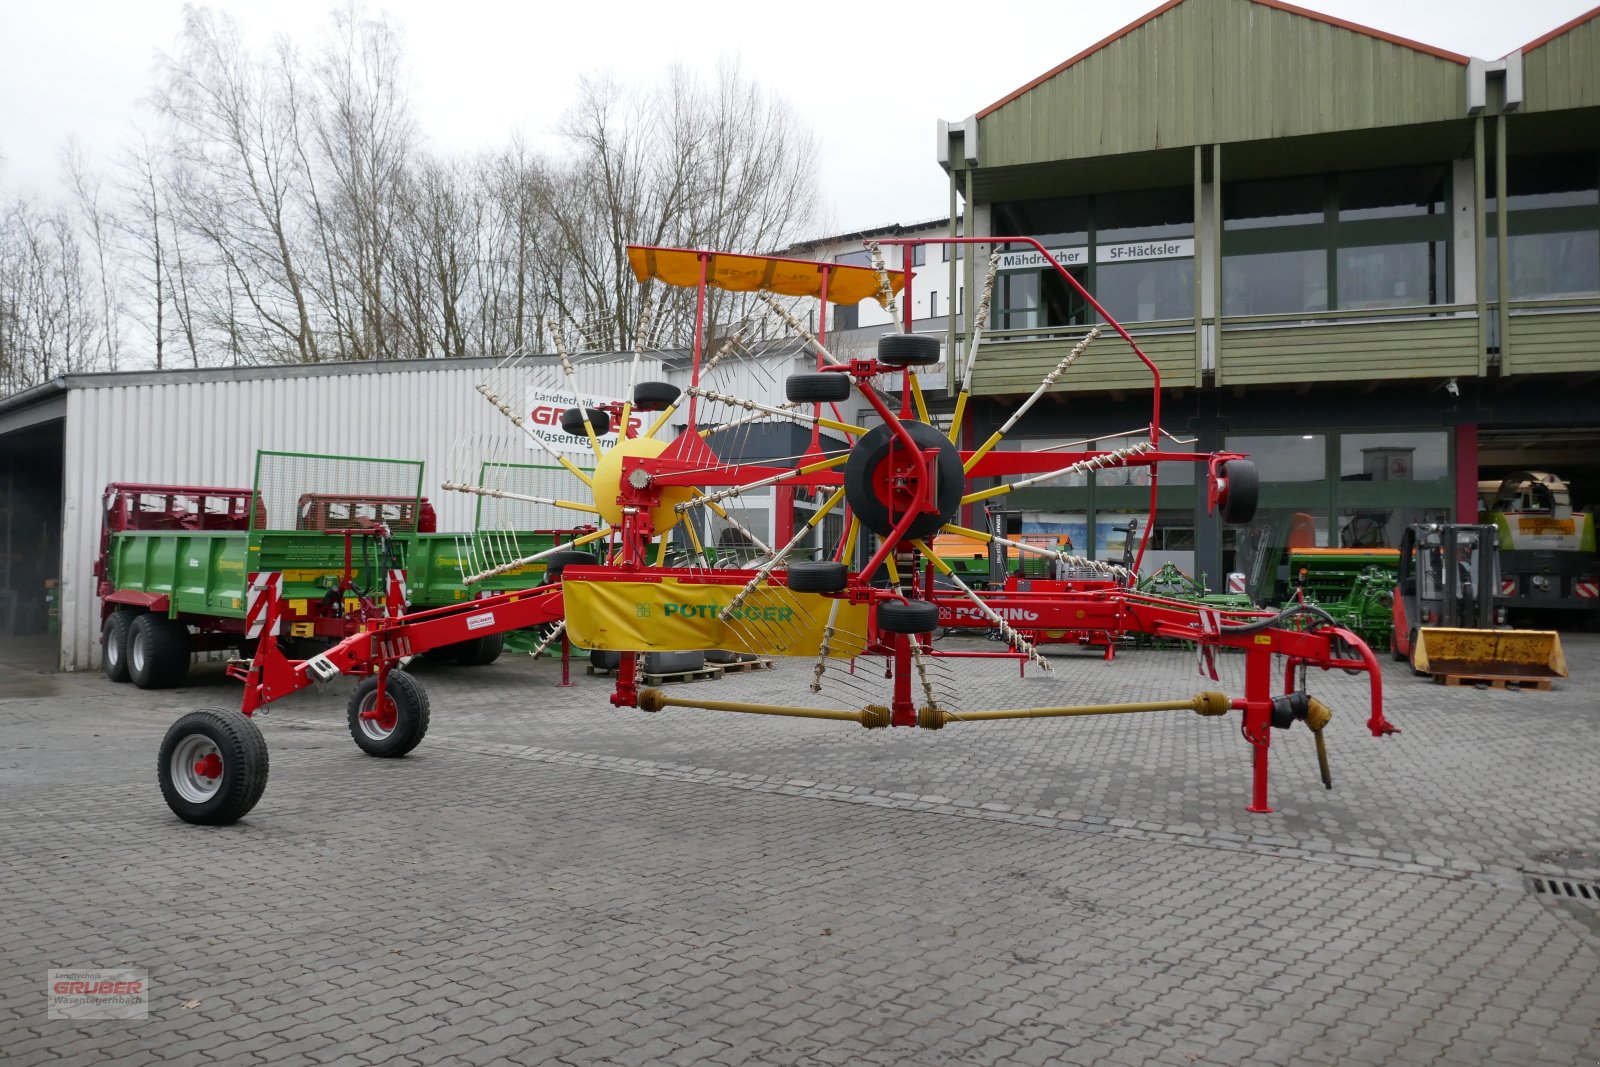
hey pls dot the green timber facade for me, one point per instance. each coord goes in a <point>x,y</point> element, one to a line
<point>1371,263</point>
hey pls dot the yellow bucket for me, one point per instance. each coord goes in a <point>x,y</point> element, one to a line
<point>1512,655</point>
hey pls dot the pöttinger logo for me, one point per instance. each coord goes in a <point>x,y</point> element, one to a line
<point>98,993</point>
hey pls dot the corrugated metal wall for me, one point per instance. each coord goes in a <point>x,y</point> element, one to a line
<point>206,432</point>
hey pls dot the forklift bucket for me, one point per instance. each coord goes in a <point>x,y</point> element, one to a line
<point>1509,655</point>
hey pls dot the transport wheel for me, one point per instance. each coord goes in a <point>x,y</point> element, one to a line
<point>158,651</point>
<point>556,562</point>
<point>395,728</point>
<point>212,767</point>
<point>572,422</point>
<point>655,396</point>
<point>114,645</point>
<point>817,388</point>
<point>908,350</point>
<point>480,651</point>
<point>818,577</point>
<point>879,466</point>
<point>1244,489</point>
<point>912,617</point>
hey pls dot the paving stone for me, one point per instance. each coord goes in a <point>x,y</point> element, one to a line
<point>549,879</point>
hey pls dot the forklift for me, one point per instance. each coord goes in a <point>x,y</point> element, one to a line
<point>1446,621</point>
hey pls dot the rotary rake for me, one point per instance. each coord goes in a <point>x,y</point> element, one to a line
<point>646,579</point>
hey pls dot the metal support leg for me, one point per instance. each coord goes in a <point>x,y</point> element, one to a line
<point>1258,722</point>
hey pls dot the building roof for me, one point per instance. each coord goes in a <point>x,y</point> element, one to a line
<point>1343,24</point>
<point>1561,30</point>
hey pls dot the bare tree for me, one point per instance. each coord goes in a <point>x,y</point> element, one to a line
<point>234,117</point>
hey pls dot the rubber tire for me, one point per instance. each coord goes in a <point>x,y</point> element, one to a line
<point>244,766</point>
<point>411,715</point>
<point>572,422</point>
<point>655,396</point>
<point>817,388</point>
<point>908,350</point>
<point>818,577</point>
<point>164,651</point>
<point>908,617</point>
<point>556,562</point>
<point>480,651</point>
<point>873,448</point>
<point>114,645</point>
<point>1244,490</point>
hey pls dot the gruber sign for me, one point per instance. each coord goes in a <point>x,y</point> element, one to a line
<point>544,407</point>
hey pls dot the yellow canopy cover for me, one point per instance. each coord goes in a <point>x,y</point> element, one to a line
<point>772,274</point>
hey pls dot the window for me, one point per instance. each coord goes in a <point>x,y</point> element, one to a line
<point>1553,228</point>
<point>862,258</point>
<point>1394,457</point>
<point>933,304</point>
<point>1272,283</point>
<point>1357,241</point>
<point>846,316</point>
<point>919,254</point>
<point>1284,457</point>
<point>1134,251</point>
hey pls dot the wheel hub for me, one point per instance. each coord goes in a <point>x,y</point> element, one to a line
<point>196,768</point>
<point>379,720</point>
<point>883,478</point>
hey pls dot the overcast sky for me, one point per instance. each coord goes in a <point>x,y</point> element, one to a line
<point>870,78</point>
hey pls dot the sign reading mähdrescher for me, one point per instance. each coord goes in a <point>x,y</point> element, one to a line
<point>544,408</point>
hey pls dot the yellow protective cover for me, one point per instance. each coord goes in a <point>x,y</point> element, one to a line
<point>771,274</point>
<point>672,615</point>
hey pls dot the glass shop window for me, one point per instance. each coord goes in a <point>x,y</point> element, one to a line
<point>1553,229</point>
<point>1394,457</point>
<point>1284,457</point>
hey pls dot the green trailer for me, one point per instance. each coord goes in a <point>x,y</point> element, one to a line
<point>187,569</point>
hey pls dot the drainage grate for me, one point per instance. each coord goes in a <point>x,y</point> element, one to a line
<point>1566,888</point>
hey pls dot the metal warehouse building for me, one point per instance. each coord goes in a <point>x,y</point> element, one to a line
<point>62,442</point>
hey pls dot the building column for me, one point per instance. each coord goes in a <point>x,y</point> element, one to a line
<point>1466,472</point>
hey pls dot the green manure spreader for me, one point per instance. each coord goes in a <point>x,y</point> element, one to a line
<point>186,569</point>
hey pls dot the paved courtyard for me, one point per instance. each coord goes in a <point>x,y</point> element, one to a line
<point>551,880</point>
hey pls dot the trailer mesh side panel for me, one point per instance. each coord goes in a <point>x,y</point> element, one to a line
<point>303,491</point>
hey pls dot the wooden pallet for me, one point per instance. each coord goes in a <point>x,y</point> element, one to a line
<point>707,673</point>
<point>760,663</point>
<point>1541,684</point>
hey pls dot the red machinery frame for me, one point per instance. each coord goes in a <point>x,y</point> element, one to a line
<point>1095,612</point>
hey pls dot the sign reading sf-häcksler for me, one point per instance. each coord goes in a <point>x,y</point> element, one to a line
<point>544,408</point>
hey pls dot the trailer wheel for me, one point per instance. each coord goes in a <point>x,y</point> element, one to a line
<point>158,651</point>
<point>480,651</point>
<point>909,617</point>
<point>399,725</point>
<point>114,645</point>
<point>212,767</point>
